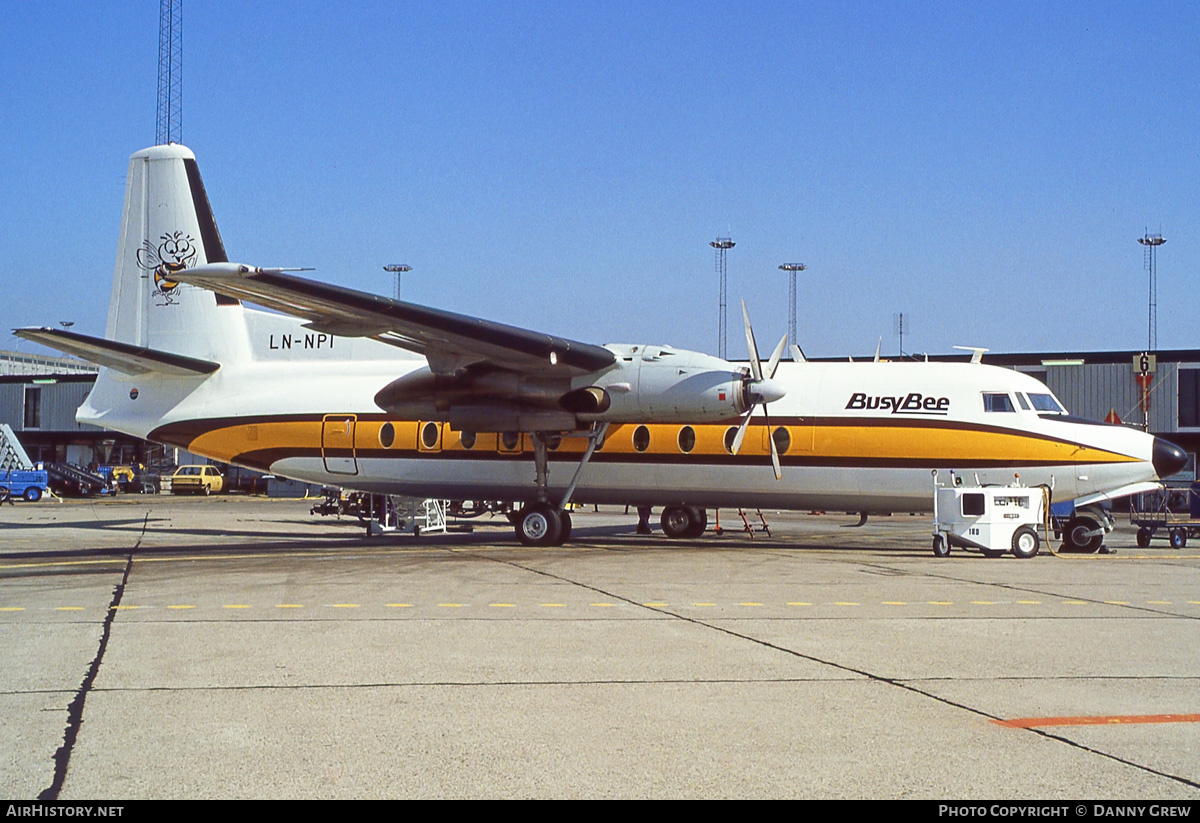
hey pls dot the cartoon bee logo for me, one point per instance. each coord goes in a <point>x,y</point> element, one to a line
<point>175,253</point>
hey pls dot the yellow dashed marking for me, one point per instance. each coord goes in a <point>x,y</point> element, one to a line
<point>939,603</point>
<point>749,604</point>
<point>12,608</point>
<point>654,604</point>
<point>181,606</point>
<point>983,602</point>
<point>503,605</point>
<point>1030,602</point>
<point>1159,602</point>
<point>604,605</point>
<point>895,603</point>
<point>288,606</point>
<point>798,603</point>
<point>844,603</point>
<point>553,605</point>
<point>1075,602</point>
<point>399,605</point>
<point>451,605</point>
<point>1117,602</point>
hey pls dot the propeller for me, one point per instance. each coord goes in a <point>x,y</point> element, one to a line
<point>759,389</point>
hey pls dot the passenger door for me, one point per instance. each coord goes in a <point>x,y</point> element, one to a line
<point>337,443</point>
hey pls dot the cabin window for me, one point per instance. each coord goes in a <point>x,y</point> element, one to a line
<point>467,439</point>
<point>997,402</point>
<point>1022,401</point>
<point>687,439</point>
<point>387,435</point>
<point>730,435</point>
<point>783,440</point>
<point>972,503</point>
<point>641,438</point>
<point>553,441</point>
<point>429,435</point>
<point>509,440</point>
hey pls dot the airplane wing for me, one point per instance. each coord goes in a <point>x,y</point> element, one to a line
<point>450,341</point>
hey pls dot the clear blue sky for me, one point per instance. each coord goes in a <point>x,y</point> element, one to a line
<point>983,168</point>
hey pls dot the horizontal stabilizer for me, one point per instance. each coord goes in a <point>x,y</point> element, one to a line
<point>122,357</point>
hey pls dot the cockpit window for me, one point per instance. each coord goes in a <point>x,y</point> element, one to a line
<point>997,402</point>
<point>1046,403</point>
<point>1022,401</point>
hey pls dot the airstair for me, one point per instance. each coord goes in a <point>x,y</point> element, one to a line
<point>12,453</point>
<point>392,513</point>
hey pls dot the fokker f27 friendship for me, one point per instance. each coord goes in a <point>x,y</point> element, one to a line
<point>356,390</point>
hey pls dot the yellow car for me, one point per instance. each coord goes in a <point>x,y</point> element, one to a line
<point>197,480</point>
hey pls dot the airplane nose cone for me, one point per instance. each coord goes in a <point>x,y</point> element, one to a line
<point>768,390</point>
<point>1167,458</point>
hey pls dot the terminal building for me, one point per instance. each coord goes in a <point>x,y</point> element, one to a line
<point>39,396</point>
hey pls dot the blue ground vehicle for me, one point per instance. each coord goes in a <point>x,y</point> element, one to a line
<point>28,484</point>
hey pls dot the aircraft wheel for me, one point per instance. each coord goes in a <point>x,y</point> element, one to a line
<point>1143,537</point>
<point>699,521</point>
<point>33,494</point>
<point>678,521</point>
<point>564,531</point>
<point>1077,537</point>
<point>1025,543</point>
<point>538,525</point>
<point>1178,538</point>
<point>941,548</point>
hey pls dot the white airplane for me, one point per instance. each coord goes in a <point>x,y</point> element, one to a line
<point>355,390</point>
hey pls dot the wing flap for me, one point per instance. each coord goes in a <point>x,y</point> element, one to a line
<point>444,337</point>
<point>122,357</point>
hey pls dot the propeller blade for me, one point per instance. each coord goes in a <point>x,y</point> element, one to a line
<point>774,449</point>
<point>741,432</point>
<point>755,365</point>
<point>776,356</point>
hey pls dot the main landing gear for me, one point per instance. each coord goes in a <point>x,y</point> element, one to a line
<point>684,521</point>
<point>542,523</point>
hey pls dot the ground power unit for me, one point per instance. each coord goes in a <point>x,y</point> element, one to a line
<point>989,519</point>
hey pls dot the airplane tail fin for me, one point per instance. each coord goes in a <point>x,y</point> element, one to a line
<point>167,225</point>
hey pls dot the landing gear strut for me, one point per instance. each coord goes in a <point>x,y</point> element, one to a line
<point>542,523</point>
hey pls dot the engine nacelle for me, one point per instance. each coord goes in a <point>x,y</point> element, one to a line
<point>647,384</point>
<point>658,384</point>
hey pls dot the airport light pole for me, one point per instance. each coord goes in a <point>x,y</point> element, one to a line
<point>1152,242</point>
<point>397,269</point>
<point>791,269</point>
<point>722,245</point>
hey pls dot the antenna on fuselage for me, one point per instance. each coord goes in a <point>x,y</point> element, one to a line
<point>977,355</point>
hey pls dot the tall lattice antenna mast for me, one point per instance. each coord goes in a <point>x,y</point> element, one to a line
<point>170,72</point>
<point>722,245</point>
